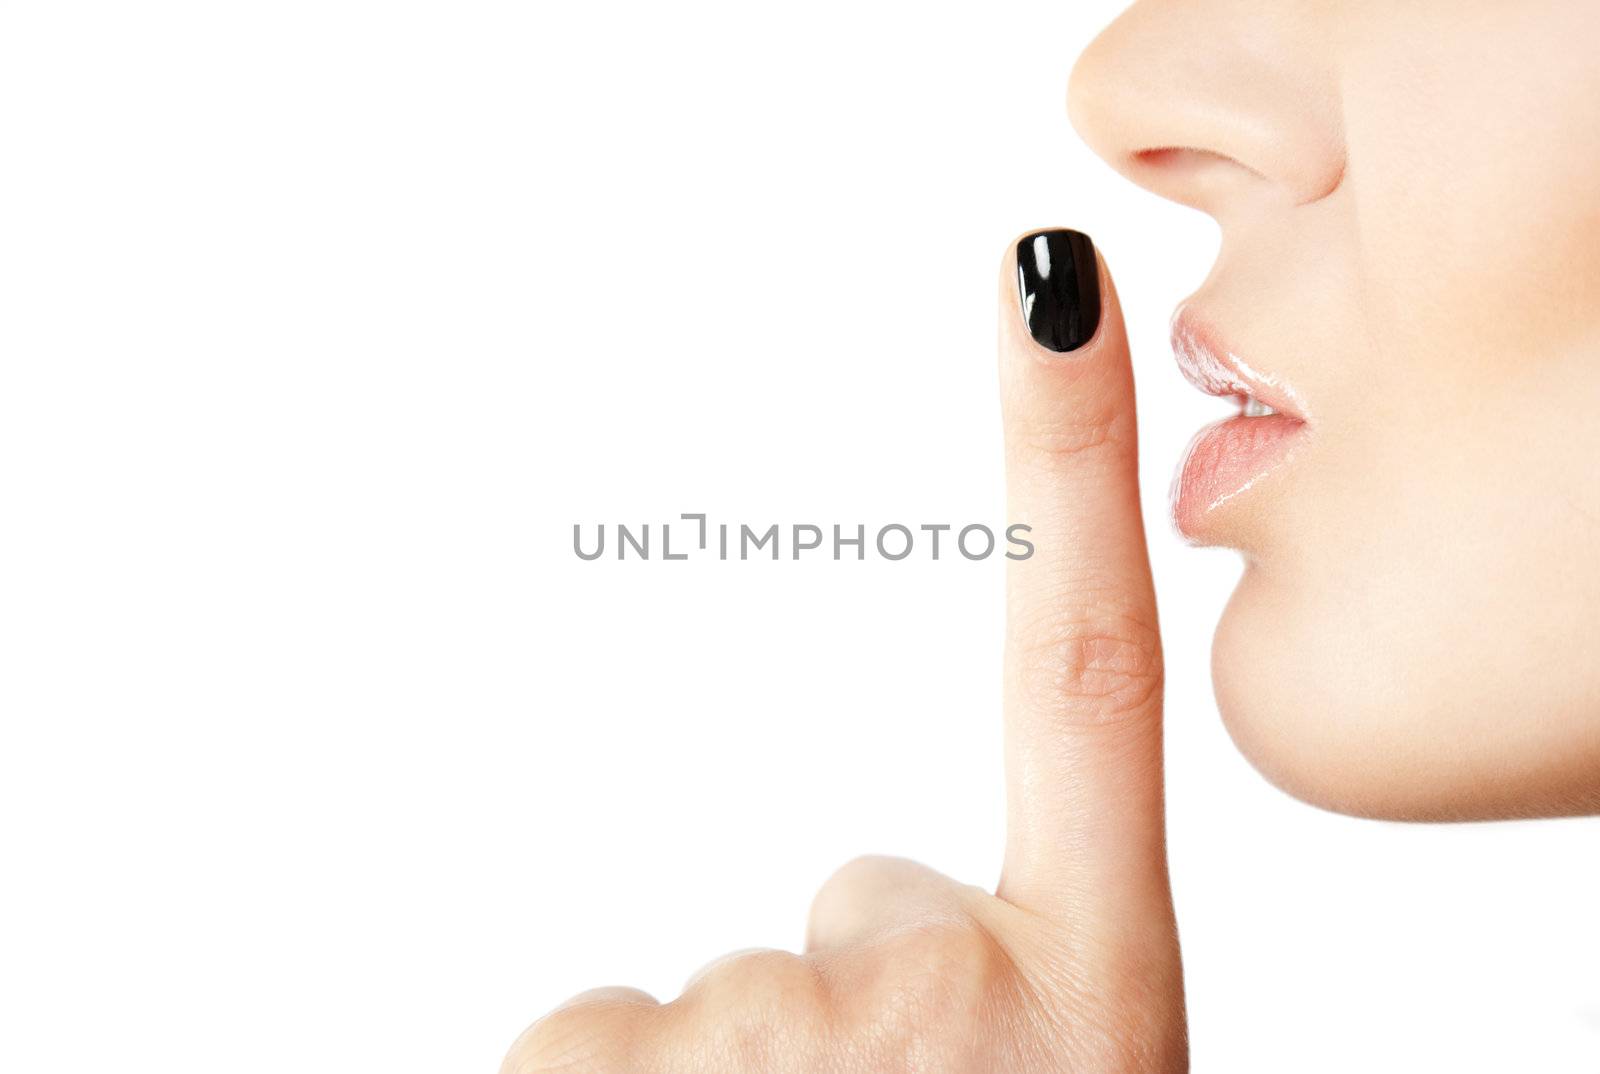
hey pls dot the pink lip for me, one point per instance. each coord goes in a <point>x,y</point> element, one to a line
<point>1228,458</point>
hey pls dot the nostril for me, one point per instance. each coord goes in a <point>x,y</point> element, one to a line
<point>1222,106</point>
<point>1182,162</point>
<point>1200,178</point>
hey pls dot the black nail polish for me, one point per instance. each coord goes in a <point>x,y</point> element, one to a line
<point>1059,282</point>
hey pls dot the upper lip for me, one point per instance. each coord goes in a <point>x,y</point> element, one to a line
<point>1210,366</point>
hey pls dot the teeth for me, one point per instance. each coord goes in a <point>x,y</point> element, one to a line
<point>1255,408</point>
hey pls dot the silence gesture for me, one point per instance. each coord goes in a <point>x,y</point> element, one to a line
<point>1072,963</point>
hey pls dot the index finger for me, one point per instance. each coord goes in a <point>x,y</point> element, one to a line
<point>1083,678</point>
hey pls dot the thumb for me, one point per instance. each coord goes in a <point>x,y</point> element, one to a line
<point>1085,832</point>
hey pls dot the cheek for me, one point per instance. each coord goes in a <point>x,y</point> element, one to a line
<point>1420,637</point>
<point>1473,130</point>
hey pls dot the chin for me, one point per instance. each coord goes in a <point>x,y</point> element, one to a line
<point>1339,705</point>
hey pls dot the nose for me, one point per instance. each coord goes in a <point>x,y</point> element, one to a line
<point>1217,104</point>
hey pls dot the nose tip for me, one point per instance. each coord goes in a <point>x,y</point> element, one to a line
<point>1212,105</point>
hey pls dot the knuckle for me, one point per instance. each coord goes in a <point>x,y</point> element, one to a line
<point>758,1011</point>
<point>860,877</point>
<point>930,994</point>
<point>1054,439</point>
<point>945,966</point>
<point>840,897</point>
<point>760,982</point>
<point>569,1041</point>
<point>1091,669</point>
<point>859,872</point>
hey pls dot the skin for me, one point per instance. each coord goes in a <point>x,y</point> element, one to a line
<point>1411,239</point>
<point>1072,964</point>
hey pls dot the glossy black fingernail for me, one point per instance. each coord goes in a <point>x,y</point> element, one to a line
<point>1059,282</point>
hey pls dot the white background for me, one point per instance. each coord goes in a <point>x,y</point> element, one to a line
<point>323,322</point>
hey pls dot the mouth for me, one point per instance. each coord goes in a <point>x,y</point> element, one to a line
<point>1229,458</point>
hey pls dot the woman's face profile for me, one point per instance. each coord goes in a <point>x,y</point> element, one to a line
<point>1409,203</point>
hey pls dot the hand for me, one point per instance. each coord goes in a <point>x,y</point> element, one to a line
<point>1072,964</point>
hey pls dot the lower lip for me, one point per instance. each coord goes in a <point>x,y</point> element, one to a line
<point>1225,462</point>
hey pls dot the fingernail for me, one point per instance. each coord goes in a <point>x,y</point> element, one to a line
<point>1059,282</point>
